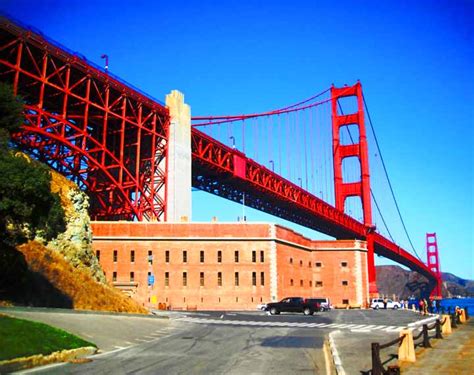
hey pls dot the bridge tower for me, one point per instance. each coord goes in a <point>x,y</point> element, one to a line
<point>178,164</point>
<point>433,262</point>
<point>361,188</point>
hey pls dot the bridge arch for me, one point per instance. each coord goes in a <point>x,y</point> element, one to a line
<point>86,123</point>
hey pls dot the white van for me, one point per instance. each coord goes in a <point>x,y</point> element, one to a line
<point>377,303</point>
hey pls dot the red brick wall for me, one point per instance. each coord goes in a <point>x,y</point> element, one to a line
<point>228,238</point>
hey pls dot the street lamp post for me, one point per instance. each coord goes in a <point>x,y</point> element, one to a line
<point>299,179</point>
<point>233,141</point>
<point>106,57</point>
<point>273,165</point>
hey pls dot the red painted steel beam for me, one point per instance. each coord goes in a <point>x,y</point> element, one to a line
<point>432,257</point>
<point>113,139</point>
<point>224,171</point>
<point>359,149</point>
<point>103,134</point>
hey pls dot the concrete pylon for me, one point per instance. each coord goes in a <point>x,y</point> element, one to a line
<point>178,171</point>
<point>446,327</point>
<point>406,350</point>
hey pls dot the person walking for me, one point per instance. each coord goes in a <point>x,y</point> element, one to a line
<point>422,309</point>
<point>425,307</point>
<point>385,301</point>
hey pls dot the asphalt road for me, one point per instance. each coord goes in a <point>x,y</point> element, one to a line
<point>216,342</point>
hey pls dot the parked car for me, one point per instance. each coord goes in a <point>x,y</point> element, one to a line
<point>325,303</point>
<point>377,303</point>
<point>293,304</point>
<point>261,306</point>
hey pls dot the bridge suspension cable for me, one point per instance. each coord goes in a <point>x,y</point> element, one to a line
<point>371,191</point>
<point>293,141</point>
<point>214,120</point>
<point>286,131</point>
<point>388,178</point>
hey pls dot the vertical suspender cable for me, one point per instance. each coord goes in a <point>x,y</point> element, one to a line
<point>371,192</point>
<point>243,136</point>
<point>271,143</point>
<point>388,179</point>
<point>306,148</point>
<point>287,147</point>
<point>279,143</point>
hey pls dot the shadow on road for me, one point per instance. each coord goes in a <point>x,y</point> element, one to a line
<point>292,342</point>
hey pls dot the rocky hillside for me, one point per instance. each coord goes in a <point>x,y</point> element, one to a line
<point>396,281</point>
<point>63,272</point>
<point>75,244</point>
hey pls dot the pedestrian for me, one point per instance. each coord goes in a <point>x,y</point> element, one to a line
<point>425,307</point>
<point>433,307</point>
<point>402,304</point>
<point>422,310</point>
<point>385,301</point>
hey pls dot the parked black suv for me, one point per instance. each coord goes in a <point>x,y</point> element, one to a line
<point>293,304</point>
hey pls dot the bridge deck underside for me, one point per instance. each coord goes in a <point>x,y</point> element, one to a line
<point>87,126</point>
<point>227,185</point>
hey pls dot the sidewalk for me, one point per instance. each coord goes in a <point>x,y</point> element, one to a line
<point>452,355</point>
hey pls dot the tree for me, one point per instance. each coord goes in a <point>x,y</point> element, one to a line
<point>11,114</point>
<point>27,205</point>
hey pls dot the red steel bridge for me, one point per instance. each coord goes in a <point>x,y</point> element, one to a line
<point>112,140</point>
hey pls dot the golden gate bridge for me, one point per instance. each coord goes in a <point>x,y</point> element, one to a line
<point>307,163</point>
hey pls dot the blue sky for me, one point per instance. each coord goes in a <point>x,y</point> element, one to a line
<point>414,59</point>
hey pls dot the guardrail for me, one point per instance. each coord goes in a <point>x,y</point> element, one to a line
<point>407,342</point>
<point>458,315</point>
<point>377,365</point>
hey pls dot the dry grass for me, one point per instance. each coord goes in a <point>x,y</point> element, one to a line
<point>61,185</point>
<point>85,292</point>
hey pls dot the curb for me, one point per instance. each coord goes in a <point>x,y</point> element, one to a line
<point>335,355</point>
<point>419,323</point>
<point>22,363</point>
<point>7,309</point>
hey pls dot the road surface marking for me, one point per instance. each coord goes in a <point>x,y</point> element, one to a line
<point>349,326</point>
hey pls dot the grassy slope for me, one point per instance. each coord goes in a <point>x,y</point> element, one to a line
<point>23,338</point>
<point>77,284</point>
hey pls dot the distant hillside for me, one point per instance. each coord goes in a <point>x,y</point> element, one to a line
<point>395,281</point>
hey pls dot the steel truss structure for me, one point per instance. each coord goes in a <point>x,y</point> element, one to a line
<point>227,172</point>
<point>110,139</point>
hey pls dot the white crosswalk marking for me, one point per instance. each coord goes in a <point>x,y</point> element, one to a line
<point>364,328</point>
<point>358,326</point>
<point>371,326</point>
<point>361,328</point>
